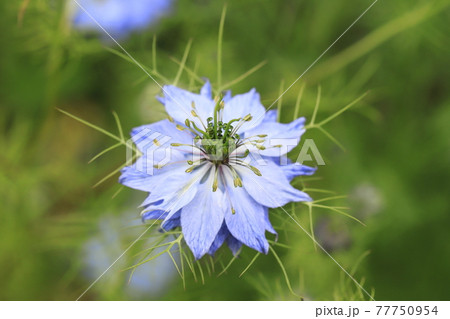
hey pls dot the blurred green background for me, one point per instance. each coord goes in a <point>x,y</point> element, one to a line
<point>58,233</point>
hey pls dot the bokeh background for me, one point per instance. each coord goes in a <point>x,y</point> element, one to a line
<point>58,232</point>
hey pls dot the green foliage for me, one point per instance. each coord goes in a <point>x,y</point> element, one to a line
<point>389,152</point>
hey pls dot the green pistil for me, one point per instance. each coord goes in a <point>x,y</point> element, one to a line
<point>228,129</point>
<point>199,130</point>
<point>217,108</point>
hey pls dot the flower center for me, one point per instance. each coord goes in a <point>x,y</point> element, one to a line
<point>217,140</point>
<point>220,140</point>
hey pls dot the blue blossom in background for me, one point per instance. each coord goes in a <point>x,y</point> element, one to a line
<point>213,168</point>
<point>102,249</point>
<point>119,17</point>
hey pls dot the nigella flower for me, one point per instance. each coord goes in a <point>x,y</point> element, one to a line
<point>213,168</point>
<point>118,17</point>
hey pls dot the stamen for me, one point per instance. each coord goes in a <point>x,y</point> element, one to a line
<point>243,155</point>
<point>156,142</point>
<point>236,179</point>
<point>159,166</point>
<point>190,145</point>
<point>246,118</point>
<point>216,181</point>
<point>188,126</point>
<point>255,170</point>
<point>190,169</point>
<point>194,114</point>
<point>227,194</point>
<point>249,139</point>
<point>252,168</point>
<point>190,162</point>
<point>180,128</point>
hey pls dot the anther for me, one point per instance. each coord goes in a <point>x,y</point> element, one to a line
<point>255,170</point>
<point>243,155</point>
<point>155,141</point>
<point>190,169</point>
<point>237,181</point>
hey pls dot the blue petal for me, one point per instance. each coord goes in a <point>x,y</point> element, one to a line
<point>219,240</point>
<point>206,90</point>
<point>269,226</point>
<point>138,176</point>
<point>109,14</point>
<point>154,214</point>
<point>168,225</point>
<point>202,218</point>
<point>243,104</point>
<point>163,132</point>
<point>234,245</point>
<point>178,103</point>
<point>169,191</point>
<point>296,169</point>
<point>272,189</point>
<point>145,12</point>
<point>224,235</point>
<point>154,141</point>
<point>119,17</point>
<point>177,191</point>
<point>173,222</point>
<point>286,135</point>
<point>247,224</point>
<point>143,175</point>
<point>135,179</point>
<point>227,96</point>
<point>270,116</point>
<point>149,202</point>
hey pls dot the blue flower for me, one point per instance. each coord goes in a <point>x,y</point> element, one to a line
<point>119,17</point>
<point>213,168</point>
